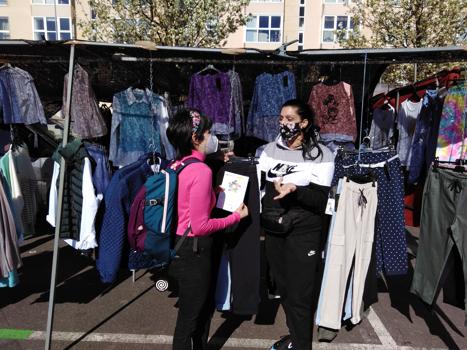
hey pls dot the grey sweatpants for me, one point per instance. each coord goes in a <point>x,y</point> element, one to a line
<point>443,227</point>
<point>350,244</point>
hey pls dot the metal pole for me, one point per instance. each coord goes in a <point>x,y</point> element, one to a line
<point>61,183</point>
<point>56,23</point>
<point>363,104</point>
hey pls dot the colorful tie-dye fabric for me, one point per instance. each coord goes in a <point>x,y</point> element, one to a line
<point>452,139</point>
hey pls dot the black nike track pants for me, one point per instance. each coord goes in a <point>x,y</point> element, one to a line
<point>293,260</point>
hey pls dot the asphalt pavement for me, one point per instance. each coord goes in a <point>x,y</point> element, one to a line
<point>134,315</point>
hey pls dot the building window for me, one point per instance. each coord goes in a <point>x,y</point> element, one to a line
<point>263,29</point>
<point>64,28</point>
<point>333,23</point>
<point>4,28</point>
<point>51,2</point>
<point>45,28</point>
<point>3,2</point>
<point>301,24</point>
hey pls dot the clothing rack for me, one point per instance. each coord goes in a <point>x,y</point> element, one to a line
<point>53,53</point>
<point>444,78</point>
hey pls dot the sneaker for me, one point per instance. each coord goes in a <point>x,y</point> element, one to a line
<point>283,344</point>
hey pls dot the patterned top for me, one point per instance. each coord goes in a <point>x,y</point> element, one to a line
<point>86,119</point>
<point>334,109</point>
<point>19,99</point>
<point>236,102</point>
<point>452,138</point>
<point>407,120</point>
<point>211,94</point>
<point>270,93</point>
<point>382,127</point>
<point>135,125</point>
<point>425,138</point>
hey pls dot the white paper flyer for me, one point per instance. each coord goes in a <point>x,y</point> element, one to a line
<point>234,186</point>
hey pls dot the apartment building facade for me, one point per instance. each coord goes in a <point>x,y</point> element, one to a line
<point>36,19</point>
<point>312,22</point>
<point>272,22</point>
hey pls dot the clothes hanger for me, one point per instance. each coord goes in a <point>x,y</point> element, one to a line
<point>6,65</point>
<point>331,78</point>
<point>209,67</point>
<point>361,178</point>
<point>368,177</point>
<point>458,166</point>
<point>414,96</point>
<point>139,84</point>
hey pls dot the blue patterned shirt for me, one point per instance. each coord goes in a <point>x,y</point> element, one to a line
<point>135,125</point>
<point>271,91</point>
<point>19,99</point>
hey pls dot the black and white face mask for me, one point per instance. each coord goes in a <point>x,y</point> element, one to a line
<point>289,131</point>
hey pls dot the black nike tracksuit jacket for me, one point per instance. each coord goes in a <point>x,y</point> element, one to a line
<point>293,258</point>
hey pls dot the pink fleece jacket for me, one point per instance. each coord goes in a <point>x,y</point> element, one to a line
<point>196,199</point>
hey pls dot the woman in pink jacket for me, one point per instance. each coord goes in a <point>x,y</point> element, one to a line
<point>190,134</point>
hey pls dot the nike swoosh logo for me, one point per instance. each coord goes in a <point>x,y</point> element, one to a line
<point>311,253</point>
<point>272,174</point>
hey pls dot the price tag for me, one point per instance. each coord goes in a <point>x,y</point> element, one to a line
<point>330,206</point>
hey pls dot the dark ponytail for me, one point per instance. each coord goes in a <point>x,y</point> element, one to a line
<point>310,133</point>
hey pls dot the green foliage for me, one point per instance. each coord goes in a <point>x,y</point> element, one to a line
<point>195,23</point>
<point>407,24</point>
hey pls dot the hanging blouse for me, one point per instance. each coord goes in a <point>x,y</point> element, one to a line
<point>19,100</point>
<point>270,93</point>
<point>452,138</point>
<point>382,127</point>
<point>236,103</point>
<point>86,119</point>
<point>137,119</point>
<point>211,94</point>
<point>334,109</point>
<point>406,122</point>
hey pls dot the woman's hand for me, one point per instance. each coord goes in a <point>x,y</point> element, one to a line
<point>283,189</point>
<point>242,210</point>
<point>218,190</point>
<point>227,156</point>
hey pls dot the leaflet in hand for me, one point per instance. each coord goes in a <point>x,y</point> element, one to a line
<point>234,186</point>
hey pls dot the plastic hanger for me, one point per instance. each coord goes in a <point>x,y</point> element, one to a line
<point>414,97</point>
<point>6,65</point>
<point>209,67</point>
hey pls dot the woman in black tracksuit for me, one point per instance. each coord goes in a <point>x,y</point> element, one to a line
<point>298,174</point>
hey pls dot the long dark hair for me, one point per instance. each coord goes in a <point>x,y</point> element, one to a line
<point>180,131</point>
<point>310,140</point>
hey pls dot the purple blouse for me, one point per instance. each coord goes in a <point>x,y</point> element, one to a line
<point>211,94</point>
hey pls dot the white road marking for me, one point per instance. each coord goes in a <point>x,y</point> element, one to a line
<point>246,343</point>
<point>383,334</point>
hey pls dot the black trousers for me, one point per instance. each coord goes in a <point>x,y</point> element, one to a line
<point>243,246</point>
<point>193,272</point>
<point>293,261</point>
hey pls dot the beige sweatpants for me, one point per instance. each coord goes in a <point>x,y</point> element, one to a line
<point>351,237</point>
